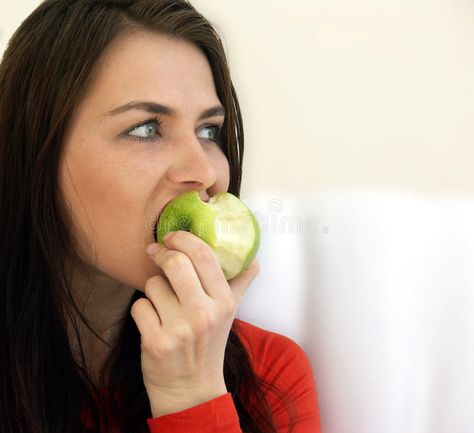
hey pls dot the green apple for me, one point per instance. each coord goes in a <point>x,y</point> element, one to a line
<point>224,223</point>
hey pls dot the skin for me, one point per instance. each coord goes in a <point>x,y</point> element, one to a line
<point>115,187</point>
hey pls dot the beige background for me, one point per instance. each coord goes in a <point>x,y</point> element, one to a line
<point>339,94</point>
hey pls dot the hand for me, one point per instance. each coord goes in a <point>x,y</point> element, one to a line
<point>184,323</point>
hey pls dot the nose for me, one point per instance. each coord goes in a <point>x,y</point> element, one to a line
<point>192,165</point>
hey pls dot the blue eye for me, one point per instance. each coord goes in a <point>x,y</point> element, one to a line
<point>146,131</point>
<point>215,132</point>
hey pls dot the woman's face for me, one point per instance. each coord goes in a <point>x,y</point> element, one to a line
<point>119,167</point>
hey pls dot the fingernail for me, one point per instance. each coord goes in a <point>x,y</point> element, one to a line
<point>153,249</point>
<point>167,236</point>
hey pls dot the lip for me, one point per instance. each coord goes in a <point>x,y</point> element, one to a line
<point>157,218</point>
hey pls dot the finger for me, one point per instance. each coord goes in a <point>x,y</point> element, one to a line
<point>204,260</point>
<point>180,273</point>
<point>163,298</point>
<point>145,317</point>
<point>241,282</point>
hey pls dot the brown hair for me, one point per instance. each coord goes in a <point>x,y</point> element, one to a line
<point>45,72</point>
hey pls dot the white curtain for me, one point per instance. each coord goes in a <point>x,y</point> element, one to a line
<point>377,286</point>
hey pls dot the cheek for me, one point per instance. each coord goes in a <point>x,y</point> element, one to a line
<point>111,225</point>
<point>104,203</point>
<point>223,170</point>
<point>76,216</point>
<point>111,234</point>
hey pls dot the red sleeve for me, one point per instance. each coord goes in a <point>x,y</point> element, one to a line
<point>214,416</point>
<point>282,362</point>
<point>278,360</point>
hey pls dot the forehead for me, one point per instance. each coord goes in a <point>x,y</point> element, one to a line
<point>148,66</point>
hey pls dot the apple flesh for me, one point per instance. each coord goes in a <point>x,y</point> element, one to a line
<point>224,223</point>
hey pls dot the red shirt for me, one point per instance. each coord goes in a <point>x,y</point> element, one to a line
<point>278,360</point>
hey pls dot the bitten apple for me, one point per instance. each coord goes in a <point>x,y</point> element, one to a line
<point>224,223</point>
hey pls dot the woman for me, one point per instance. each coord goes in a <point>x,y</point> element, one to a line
<point>108,110</point>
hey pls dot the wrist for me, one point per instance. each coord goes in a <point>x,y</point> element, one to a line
<point>165,402</point>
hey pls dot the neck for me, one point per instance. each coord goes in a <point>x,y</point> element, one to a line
<point>103,303</point>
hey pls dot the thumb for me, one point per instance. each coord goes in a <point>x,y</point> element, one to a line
<point>240,283</point>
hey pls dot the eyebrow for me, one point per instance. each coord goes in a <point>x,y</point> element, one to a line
<point>153,107</point>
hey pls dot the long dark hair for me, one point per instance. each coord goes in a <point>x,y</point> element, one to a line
<point>45,72</point>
